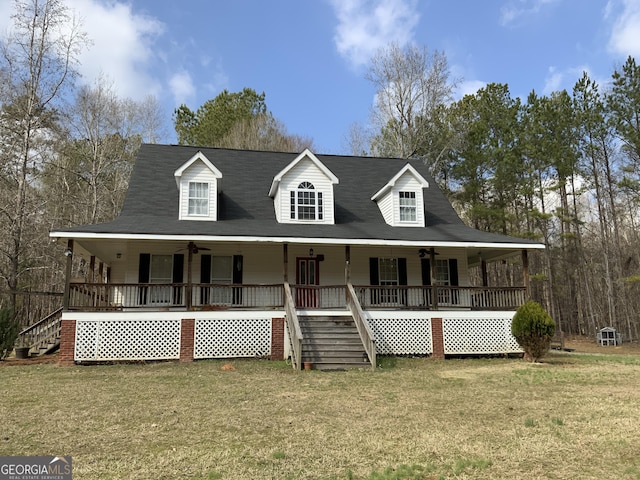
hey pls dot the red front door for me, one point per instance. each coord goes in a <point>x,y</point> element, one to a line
<point>307,279</point>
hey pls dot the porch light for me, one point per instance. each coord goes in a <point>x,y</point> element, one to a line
<point>118,255</point>
<point>422,252</point>
<point>68,252</point>
<point>311,252</point>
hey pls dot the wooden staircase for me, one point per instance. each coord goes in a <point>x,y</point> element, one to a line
<point>44,336</point>
<point>332,343</point>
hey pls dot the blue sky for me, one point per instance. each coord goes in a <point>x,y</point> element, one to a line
<point>310,56</point>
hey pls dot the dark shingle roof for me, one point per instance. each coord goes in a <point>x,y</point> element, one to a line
<point>151,204</point>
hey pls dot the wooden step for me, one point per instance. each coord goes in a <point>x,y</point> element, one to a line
<point>332,343</point>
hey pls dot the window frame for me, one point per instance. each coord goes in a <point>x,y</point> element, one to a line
<point>192,212</point>
<point>306,203</point>
<point>407,209</point>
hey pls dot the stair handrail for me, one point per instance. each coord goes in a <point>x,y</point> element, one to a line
<point>366,334</point>
<point>293,325</point>
<point>34,334</point>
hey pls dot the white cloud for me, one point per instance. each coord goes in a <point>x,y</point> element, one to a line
<point>469,87</point>
<point>625,32</point>
<point>182,87</point>
<point>366,25</point>
<point>516,9</point>
<point>122,46</point>
<point>566,79</point>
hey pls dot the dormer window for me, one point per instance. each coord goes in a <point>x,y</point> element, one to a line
<point>302,191</point>
<point>408,209</point>
<point>401,199</point>
<point>306,203</point>
<point>198,198</point>
<point>199,185</point>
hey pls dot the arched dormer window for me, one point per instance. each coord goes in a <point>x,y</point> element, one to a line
<point>306,203</point>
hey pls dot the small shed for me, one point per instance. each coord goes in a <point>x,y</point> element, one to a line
<point>608,336</point>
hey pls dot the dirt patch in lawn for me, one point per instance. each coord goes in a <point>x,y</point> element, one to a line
<point>38,360</point>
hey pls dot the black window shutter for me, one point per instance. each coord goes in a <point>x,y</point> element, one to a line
<point>143,276</point>
<point>237,279</point>
<point>237,269</point>
<point>205,269</point>
<point>178,277</point>
<point>374,278</point>
<point>178,268</point>
<point>402,271</point>
<point>143,268</point>
<point>453,271</point>
<point>425,266</point>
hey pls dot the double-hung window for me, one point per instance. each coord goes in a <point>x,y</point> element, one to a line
<point>306,203</point>
<point>161,271</point>
<point>443,278</point>
<point>388,275</point>
<point>221,275</point>
<point>198,198</point>
<point>408,209</point>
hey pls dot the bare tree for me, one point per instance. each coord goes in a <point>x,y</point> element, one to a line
<point>357,140</point>
<point>39,59</point>
<point>263,132</point>
<point>411,85</point>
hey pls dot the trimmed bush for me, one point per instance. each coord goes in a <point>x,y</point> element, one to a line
<point>9,330</point>
<point>533,329</point>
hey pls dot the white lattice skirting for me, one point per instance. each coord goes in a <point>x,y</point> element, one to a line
<point>398,333</point>
<point>117,336</point>
<point>467,333</point>
<point>104,339</point>
<point>232,337</point>
<point>128,336</point>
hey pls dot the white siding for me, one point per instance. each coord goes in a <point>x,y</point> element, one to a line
<point>304,171</point>
<point>264,263</point>
<point>198,172</point>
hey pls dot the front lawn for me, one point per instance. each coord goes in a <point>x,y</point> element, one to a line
<point>572,416</point>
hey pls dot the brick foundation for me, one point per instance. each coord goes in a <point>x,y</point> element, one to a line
<point>437,337</point>
<point>277,339</point>
<point>187,335</point>
<point>66,353</point>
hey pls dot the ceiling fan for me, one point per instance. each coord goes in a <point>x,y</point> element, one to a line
<point>193,248</point>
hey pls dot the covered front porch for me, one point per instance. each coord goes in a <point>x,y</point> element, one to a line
<point>296,300</point>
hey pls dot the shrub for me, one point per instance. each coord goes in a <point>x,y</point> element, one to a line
<point>9,330</point>
<point>533,329</point>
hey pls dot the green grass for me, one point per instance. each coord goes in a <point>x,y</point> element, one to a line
<point>569,417</point>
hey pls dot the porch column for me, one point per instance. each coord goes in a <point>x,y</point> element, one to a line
<point>485,277</point>
<point>525,274</point>
<point>347,264</point>
<point>67,289</point>
<point>92,268</point>
<point>434,283</point>
<point>101,272</point>
<point>285,261</point>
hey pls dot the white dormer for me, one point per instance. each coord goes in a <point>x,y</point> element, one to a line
<point>302,192</point>
<point>198,183</point>
<point>401,200</point>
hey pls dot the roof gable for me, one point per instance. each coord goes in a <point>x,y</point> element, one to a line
<point>306,154</point>
<point>199,156</point>
<point>391,183</point>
